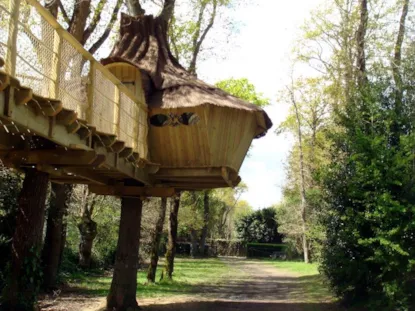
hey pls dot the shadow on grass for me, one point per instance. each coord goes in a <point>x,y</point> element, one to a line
<point>241,305</point>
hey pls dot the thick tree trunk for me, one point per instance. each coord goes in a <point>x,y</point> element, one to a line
<point>171,244</point>
<point>194,249</point>
<point>151,274</point>
<point>24,280</point>
<point>206,211</point>
<point>124,281</point>
<point>88,231</point>
<point>55,229</point>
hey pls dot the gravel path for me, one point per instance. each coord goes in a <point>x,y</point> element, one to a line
<point>256,286</point>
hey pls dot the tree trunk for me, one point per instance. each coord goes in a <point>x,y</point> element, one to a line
<point>124,281</point>
<point>360,38</point>
<point>55,229</point>
<point>88,231</point>
<point>171,244</point>
<point>25,278</point>
<point>303,206</point>
<point>151,275</point>
<point>194,250</point>
<point>206,211</point>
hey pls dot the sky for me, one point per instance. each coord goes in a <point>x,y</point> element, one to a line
<point>267,31</point>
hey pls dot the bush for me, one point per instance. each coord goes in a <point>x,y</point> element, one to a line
<point>262,250</point>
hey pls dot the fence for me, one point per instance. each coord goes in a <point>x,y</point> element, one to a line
<point>46,58</point>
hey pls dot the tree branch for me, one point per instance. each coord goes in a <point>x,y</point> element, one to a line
<point>64,13</point>
<point>192,66</point>
<point>95,20</point>
<point>135,8</point>
<point>107,31</point>
<point>167,12</point>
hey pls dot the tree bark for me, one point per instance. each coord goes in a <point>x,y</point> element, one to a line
<point>171,244</point>
<point>55,233</point>
<point>151,275</point>
<point>88,231</point>
<point>206,212</point>
<point>194,250</point>
<point>25,279</point>
<point>396,67</point>
<point>122,295</point>
<point>360,38</point>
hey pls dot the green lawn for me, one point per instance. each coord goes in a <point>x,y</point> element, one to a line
<point>187,274</point>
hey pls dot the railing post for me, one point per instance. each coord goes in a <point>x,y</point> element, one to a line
<point>14,7</point>
<point>91,88</point>
<point>56,66</point>
<point>117,110</point>
<point>136,128</point>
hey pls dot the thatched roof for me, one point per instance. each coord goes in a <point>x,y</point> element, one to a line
<point>143,44</point>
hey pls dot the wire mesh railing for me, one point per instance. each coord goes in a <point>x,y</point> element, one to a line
<point>46,58</point>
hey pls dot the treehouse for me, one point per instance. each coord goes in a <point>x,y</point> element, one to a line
<point>198,134</point>
<point>135,124</point>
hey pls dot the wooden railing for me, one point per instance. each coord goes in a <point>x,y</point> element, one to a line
<point>43,56</point>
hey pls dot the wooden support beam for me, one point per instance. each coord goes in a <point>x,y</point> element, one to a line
<point>189,172</point>
<point>126,152</point>
<point>22,96</point>
<point>58,157</point>
<point>66,117</point>
<point>225,175</point>
<point>4,81</point>
<point>74,127</point>
<point>105,140</point>
<point>87,174</point>
<point>118,146</point>
<point>132,191</point>
<point>45,106</point>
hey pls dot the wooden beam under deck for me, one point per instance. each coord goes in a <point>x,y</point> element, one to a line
<point>131,191</point>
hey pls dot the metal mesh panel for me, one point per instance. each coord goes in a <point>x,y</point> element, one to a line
<point>4,29</point>
<point>34,53</point>
<point>103,107</point>
<point>73,79</point>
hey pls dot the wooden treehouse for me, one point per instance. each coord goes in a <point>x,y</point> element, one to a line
<point>135,124</point>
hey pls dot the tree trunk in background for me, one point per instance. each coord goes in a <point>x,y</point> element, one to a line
<point>171,244</point>
<point>55,229</point>
<point>88,231</point>
<point>124,281</point>
<point>22,289</point>
<point>151,275</point>
<point>194,249</point>
<point>303,203</point>
<point>206,211</point>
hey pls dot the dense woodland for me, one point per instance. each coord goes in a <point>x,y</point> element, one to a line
<point>348,200</point>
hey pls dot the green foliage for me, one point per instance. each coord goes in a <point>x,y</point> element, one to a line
<point>243,89</point>
<point>370,189</point>
<point>10,185</point>
<point>259,226</point>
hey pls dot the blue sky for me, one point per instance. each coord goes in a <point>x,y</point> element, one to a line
<point>261,53</point>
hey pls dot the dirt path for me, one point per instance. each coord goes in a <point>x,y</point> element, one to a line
<point>256,286</point>
<point>252,286</point>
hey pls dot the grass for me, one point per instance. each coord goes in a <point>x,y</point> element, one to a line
<point>188,273</point>
<point>297,267</point>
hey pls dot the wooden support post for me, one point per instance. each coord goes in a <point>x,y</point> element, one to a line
<point>14,8</point>
<point>55,67</point>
